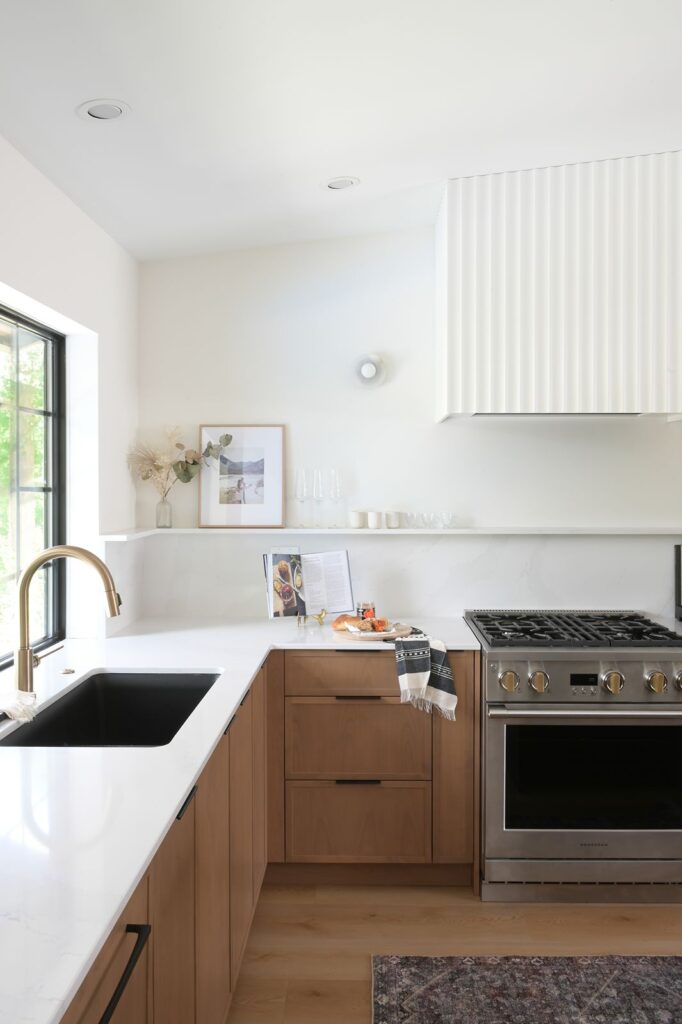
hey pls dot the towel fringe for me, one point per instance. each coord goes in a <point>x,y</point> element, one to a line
<point>422,703</point>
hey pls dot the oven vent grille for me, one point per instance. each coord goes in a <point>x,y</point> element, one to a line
<point>582,892</point>
<point>600,885</point>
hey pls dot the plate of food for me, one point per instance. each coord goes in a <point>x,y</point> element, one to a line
<point>351,627</point>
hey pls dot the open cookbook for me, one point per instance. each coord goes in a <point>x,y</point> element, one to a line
<point>304,584</point>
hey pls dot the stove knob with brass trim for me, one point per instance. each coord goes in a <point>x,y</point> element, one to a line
<point>509,681</point>
<point>538,682</point>
<point>613,682</point>
<point>657,682</point>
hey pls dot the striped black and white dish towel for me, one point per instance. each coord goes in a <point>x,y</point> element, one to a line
<point>424,675</point>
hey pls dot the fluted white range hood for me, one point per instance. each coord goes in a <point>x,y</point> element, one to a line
<point>560,290</point>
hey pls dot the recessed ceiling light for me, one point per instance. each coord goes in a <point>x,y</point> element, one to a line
<point>102,110</point>
<point>345,182</point>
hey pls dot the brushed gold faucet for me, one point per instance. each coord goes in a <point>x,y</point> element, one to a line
<point>24,658</point>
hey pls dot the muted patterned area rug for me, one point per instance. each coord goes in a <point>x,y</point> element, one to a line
<point>527,990</point>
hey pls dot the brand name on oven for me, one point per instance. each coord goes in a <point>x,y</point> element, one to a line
<point>593,844</point>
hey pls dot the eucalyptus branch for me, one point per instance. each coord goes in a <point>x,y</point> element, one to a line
<point>164,467</point>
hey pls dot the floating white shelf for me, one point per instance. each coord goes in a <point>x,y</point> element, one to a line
<point>479,531</point>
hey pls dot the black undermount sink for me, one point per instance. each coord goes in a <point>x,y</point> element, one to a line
<point>117,709</point>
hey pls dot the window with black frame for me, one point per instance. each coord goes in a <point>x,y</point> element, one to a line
<point>31,474</point>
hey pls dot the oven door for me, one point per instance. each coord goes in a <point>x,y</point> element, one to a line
<point>572,783</point>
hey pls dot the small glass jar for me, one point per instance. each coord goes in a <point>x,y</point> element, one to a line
<point>365,610</point>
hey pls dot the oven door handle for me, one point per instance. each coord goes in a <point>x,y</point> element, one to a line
<point>639,713</point>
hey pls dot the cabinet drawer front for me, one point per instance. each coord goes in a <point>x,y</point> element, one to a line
<point>387,822</point>
<point>331,672</point>
<point>379,738</point>
<point>93,996</point>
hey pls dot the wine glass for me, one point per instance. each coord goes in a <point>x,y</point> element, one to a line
<point>318,495</point>
<point>301,493</point>
<point>334,483</point>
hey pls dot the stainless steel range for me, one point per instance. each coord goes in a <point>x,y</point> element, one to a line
<point>582,756</point>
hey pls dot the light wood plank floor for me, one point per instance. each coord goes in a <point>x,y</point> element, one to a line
<point>308,956</point>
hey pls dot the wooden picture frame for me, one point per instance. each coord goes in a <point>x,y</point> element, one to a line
<point>244,489</point>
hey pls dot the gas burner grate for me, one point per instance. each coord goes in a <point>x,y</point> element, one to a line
<point>570,629</point>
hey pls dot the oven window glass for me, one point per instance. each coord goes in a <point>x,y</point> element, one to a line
<point>593,777</point>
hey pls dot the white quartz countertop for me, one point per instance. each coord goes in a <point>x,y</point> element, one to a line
<point>79,826</point>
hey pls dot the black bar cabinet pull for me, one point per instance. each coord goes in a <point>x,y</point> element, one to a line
<point>678,582</point>
<point>143,932</point>
<point>357,782</point>
<point>188,801</point>
<point>358,696</point>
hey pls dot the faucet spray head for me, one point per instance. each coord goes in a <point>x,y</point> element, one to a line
<point>113,603</point>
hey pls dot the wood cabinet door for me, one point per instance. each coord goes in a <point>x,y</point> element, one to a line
<point>260,803</point>
<point>213,979</point>
<point>172,878</point>
<point>453,770</point>
<point>92,998</point>
<point>381,822</point>
<point>241,832</point>
<point>356,738</point>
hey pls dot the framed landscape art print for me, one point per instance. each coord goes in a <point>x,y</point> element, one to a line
<point>244,485</point>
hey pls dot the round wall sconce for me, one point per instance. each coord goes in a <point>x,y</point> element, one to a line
<point>370,369</point>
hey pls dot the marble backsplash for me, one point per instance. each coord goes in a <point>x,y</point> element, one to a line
<point>219,575</point>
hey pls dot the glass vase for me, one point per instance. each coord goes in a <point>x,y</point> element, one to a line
<point>164,514</point>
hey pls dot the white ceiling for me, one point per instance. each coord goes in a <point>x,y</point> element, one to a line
<point>243,109</point>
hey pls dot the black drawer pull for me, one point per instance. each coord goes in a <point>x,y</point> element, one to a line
<point>188,801</point>
<point>357,782</point>
<point>358,696</point>
<point>356,653</point>
<point>143,932</point>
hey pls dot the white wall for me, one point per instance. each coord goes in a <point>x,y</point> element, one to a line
<point>53,253</point>
<point>272,335</point>
<point>57,266</point>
